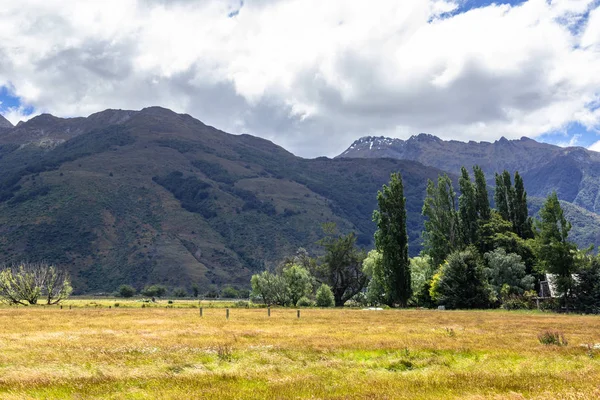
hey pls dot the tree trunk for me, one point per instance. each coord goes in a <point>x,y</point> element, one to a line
<point>338,296</point>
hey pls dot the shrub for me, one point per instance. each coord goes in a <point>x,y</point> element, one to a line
<point>324,296</point>
<point>421,272</point>
<point>154,291</point>
<point>372,268</point>
<point>304,302</point>
<point>506,273</point>
<point>298,282</point>
<point>242,304</point>
<point>126,291</point>
<point>271,288</point>
<point>551,304</point>
<point>230,293</point>
<point>212,293</point>
<point>180,292</point>
<point>516,303</point>
<point>587,288</point>
<point>553,338</point>
<point>460,282</point>
<point>422,297</point>
<point>244,294</point>
<point>358,300</point>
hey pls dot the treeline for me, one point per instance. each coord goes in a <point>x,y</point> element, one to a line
<point>160,291</point>
<point>475,256</point>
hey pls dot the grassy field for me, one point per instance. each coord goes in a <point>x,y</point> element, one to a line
<point>129,352</point>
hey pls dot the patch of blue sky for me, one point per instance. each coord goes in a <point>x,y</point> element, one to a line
<point>9,101</point>
<point>574,134</point>
<point>575,23</point>
<point>467,5</point>
<point>470,4</point>
<point>236,11</point>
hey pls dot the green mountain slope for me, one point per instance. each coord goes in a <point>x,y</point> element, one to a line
<point>157,197</point>
<point>585,224</point>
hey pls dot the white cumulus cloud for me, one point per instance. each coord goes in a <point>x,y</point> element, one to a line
<point>595,146</point>
<point>313,75</point>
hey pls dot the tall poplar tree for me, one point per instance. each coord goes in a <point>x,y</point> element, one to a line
<point>511,203</point>
<point>391,240</point>
<point>555,253</point>
<point>504,195</point>
<point>522,221</point>
<point>442,233</point>
<point>482,201</point>
<point>467,209</point>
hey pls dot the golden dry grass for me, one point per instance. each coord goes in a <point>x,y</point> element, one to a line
<point>135,353</point>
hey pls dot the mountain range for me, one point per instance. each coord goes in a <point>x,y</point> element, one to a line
<point>152,196</point>
<point>574,172</point>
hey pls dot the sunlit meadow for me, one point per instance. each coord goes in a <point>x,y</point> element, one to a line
<point>89,351</point>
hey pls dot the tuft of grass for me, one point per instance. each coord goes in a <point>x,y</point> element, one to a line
<point>553,338</point>
<point>225,352</point>
<point>400,365</point>
<point>450,332</point>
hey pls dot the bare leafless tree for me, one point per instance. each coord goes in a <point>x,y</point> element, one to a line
<point>26,283</point>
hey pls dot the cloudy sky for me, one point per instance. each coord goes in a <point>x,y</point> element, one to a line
<point>314,75</point>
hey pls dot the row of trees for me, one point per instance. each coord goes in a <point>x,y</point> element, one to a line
<point>490,256</point>
<point>301,281</point>
<point>157,290</point>
<point>474,256</point>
